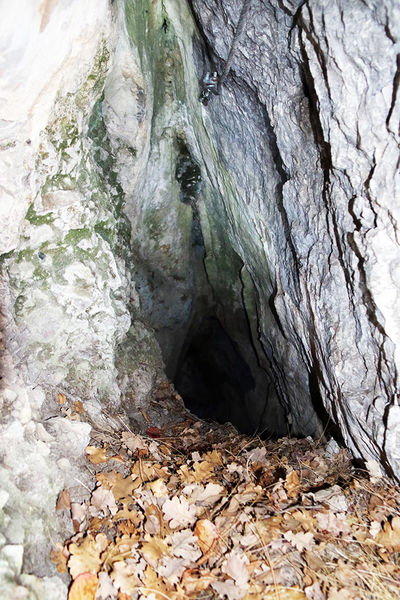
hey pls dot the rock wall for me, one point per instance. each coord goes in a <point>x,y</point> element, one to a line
<point>309,116</point>
<point>72,355</point>
<point>139,224</point>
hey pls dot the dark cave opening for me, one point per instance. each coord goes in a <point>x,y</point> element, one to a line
<point>218,382</point>
<point>213,377</point>
<point>330,428</point>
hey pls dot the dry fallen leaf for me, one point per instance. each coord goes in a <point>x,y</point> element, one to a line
<point>207,534</point>
<point>78,514</point>
<point>333,523</point>
<point>214,457</point>
<point>97,455</point>
<point>300,540</point>
<point>154,432</point>
<point>185,545</point>
<point>346,575</point>
<point>61,398</point>
<point>129,515</point>
<point>145,536</point>
<point>332,496</point>
<point>78,407</point>
<point>85,557</point>
<point>171,568</point>
<point>284,593</point>
<point>342,594</point>
<point>63,500</point>
<point>203,470</point>
<point>229,589</point>
<point>203,496</point>
<point>257,455</point>
<point>153,549</point>
<point>158,488</point>
<point>124,578</point>
<point>389,536</point>
<point>58,557</point>
<point>133,442</point>
<point>178,512</point>
<point>152,581</point>
<point>147,470</point>
<point>196,580</point>
<point>84,587</point>
<point>235,566</point>
<point>374,529</point>
<point>105,589</point>
<point>314,592</point>
<point>292,484</point>
<point>123,487</point>
<point>102,500</point>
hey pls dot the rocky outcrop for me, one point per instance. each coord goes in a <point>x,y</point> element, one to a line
<point>309,116</point>
<point>67,297</point>
<point>247,249</point>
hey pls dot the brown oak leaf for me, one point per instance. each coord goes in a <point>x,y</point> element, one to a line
<point>196,580</point>
<point>58,556</point>
<point>97,455</point>
<point>85,557</point>
<point>153,549</point>
<point>207,534</point>
<point>178,512</point>
<point>389,536</point>
<point>63,500</point>
<point>292,484</point>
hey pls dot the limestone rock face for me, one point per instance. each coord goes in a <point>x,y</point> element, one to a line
<point>247,249</point>
<point>309,116</point>
<point>66,294</point>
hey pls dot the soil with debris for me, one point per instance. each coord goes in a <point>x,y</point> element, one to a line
<point>197,510</point>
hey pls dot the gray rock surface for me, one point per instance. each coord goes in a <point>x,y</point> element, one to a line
<point>138,225</point>
<point>310,112</point>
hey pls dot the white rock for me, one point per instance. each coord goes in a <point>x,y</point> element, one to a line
<point>13,555</point>
<point>42,434</point>
<point>9,395</point>
<point>4,496</point>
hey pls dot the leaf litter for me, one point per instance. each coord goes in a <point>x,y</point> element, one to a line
<point>196,510</point>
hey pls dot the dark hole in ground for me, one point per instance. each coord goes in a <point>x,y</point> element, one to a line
<point>213,377</point>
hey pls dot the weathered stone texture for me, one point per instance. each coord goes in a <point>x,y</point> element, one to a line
<point>131,214</point>
<point>325,75</point>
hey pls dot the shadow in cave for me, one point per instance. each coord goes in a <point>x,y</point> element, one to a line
<point>330,429</point>
<point>213,378</point>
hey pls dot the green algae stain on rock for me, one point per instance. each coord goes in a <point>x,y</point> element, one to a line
<point>36,219</point>
<point>74,236</point>
<point>94,84</point>
<point>115,228</point>
<point>67,275</point>
<point>152,33</point>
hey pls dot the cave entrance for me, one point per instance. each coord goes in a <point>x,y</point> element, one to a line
<point>213,377</point>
